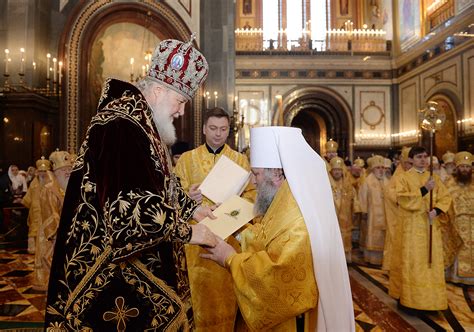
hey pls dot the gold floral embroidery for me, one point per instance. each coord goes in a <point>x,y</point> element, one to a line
<point>121,314</point>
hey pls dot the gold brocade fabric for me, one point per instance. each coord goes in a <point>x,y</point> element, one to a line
<point>214,302</point>
<point>343,194</point>
<point>462,215</point>
<point>273,276</point>
<point>32,201</point>
<point>371,200</point>
<point>423,286</point>
<point>357,183</point>
<point>193,167</point>
<point>51,201</point>
<point>392,232</point>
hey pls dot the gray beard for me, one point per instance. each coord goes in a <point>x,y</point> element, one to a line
<point>165,127</point>
<point>266,192</point>
<point>62,181</point>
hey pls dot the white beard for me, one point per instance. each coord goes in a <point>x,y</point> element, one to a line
<point>62,181</point>
<point>165,127</point>
<point>266,192</point>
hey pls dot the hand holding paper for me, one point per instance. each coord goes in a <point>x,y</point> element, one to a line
<point>231,215</point>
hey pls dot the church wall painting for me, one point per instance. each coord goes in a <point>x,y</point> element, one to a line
<point>112,51</point>
<point>119,43</point>
<point>387,18</point>
<point>409,22</point>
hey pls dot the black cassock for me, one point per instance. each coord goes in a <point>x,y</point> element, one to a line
<point>119,263</point>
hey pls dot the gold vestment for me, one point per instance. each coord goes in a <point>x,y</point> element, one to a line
<point>32,201</point>
<point>371,200</point>
<point>273,276</point>
<point>214,303</point>
<point>343,194</point>
<point>422,286</point>
<point>461,214</point>
<point>51,200</point>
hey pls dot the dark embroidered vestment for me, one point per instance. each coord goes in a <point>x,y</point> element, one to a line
<point>119,263</point>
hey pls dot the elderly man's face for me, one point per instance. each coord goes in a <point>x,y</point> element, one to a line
<point>450,168</point>
<point>379,172</point>
<point>336,173</point>
<point>167,105</point>
<point>62,175</point>
<point>265,182</point>
<point>173,104</point>
<point>14,170</point>
<point>330,155</point>
<point>356,171</point>
<point>258,176</point>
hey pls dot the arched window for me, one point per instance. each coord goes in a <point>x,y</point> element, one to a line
<point>288,24</point>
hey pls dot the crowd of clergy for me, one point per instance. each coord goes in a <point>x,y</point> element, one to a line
<point>41,190</point>
<point>413,223</point>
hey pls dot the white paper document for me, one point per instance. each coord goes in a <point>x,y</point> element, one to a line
<point>224,180</point>
<point>231,215</point>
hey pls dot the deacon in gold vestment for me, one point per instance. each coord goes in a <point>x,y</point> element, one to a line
<point>32,201</point>
<point>392,245</point>
<point>371,198</point>
<point>462,214</point>
<point>423,285</point>
<point>357,177</point>
<point>291,274</point>
<point>51,202</point>
<point>343,194</point>
<point>214,304</point>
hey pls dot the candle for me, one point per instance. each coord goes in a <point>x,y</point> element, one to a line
<point>22,60</point>
<point>143,71</point>
<point>7,52</point>
<point>48,56</point>
<point>60,71</point>
<point>34,65</point>
<point>132,60</point>
<point>215,98</point>
<point>54,69</point>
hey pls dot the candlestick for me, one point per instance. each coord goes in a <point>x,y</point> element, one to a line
<point>48,56</point>
<point>60,72</point>
<point>215,98</point>
<point>132,60</point>
<point>34,65</point>
<point>143,71</point>
<point>7,52</point>
<point>54,69</point>
<point>22,60</point>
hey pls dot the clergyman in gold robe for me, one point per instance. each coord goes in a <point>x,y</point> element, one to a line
<point>51,200</point>
<point>214,305</point>
<point>371,200</point>
<point>343,194</point>
<point>291,274</point>
<point>391,256</point>
<point>423,284</point>
<point>32,200</point>
<point>462,215</point>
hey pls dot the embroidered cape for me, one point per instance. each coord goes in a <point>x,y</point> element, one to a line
<point>119,262</point>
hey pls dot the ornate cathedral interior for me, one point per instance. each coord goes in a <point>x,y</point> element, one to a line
<point>362,73</point>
